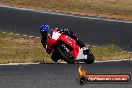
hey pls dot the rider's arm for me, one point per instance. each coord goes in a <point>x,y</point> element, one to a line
<point>44,38</point>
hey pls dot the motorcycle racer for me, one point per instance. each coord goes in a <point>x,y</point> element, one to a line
<point>45,31</point>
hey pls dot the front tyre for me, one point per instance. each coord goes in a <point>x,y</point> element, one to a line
<point>65,54</point>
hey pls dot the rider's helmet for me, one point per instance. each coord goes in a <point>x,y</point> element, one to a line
<point>43,28</point>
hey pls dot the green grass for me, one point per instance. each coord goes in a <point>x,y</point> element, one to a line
<point>18,49</point>
<point>110,52</point>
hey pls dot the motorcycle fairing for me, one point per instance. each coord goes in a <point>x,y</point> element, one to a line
<point>81,55</point>
<point>72,43</point>
<point>56,37</point>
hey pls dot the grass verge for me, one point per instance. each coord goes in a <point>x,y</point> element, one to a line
<point>18,49</point>
<point>119,9</point>
<point>110,52</point>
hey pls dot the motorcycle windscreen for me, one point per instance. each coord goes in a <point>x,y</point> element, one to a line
<point>53,39</point>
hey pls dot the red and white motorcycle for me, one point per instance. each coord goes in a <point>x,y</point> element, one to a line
<point>65,48</point>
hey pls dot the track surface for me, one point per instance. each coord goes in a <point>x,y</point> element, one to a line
<point>92,31</point>
<point>59,75</point>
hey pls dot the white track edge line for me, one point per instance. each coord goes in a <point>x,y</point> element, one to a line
<point>66,63</point>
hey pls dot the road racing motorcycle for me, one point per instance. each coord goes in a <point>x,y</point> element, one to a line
<point>65,48</point>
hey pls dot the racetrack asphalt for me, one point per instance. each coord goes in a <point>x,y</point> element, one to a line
<point>92,31</point>
<point>59,75</point>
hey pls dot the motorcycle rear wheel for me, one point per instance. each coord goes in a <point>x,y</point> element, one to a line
<point>65,54</point>
<point>90,58</point>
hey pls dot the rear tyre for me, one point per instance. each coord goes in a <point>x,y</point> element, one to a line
<point>65,54</point>
<point>90,58</point>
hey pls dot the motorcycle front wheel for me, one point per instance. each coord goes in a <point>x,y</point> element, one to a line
<point>65,54</point>
<point>90,58</point>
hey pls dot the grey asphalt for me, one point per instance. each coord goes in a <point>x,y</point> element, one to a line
<point>92,31</point>
<point>59,75</point>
